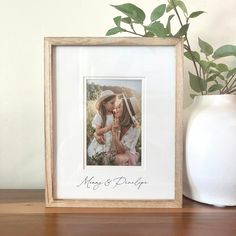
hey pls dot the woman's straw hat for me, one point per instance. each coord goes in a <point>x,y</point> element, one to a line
<point>132,104</point>
<point>105,94</point>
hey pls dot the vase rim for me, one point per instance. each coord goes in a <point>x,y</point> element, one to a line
<point>218,98</point>
<point>215,95</point>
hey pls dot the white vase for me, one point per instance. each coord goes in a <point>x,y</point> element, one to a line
<point>210,150</point>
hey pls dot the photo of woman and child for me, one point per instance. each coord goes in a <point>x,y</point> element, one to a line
<point>116,131</point>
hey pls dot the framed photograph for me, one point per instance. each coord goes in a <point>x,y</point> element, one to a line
<point>113,122</point>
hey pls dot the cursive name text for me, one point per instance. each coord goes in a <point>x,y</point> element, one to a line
<point>94,184</point>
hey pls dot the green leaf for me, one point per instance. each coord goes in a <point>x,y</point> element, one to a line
<point>195,54</point>
<point>182,6</point>
<point>225,51</point>
<point>169,8</point>
<point>113,31</point>
<point>205,64</point>
<point>149,34</point>
<point>168,26</point>
<point>231,72</point>
<point>212,64</point>
<point>222,67</point>
<point>117,20</point>
<point>211,78</point>
<point>158,12</point>
<point>215,87</point>
<point>196,14</point>
<point>197,84</point>
<point>183,30</point>
<point>126,20</point>
<point>206,48</point>
<point>221,77</point>
<point>158,29</point>
<point>213,71</point>
<point>131,11</point>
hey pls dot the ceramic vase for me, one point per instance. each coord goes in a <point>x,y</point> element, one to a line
<point>210,150</point>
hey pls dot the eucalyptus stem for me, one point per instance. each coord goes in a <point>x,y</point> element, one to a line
<point>189,47</point>
<point>186,47</point>
<point>132,27</point>
<point>200,71</point>
<point>232,91</point>
<point>177,13</point>
<point>227,83</point>
<point>234,81</point>
<point>131,32</point>
<point>225,89</point>
<point>204,78</point>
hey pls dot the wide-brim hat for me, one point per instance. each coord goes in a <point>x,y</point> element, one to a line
<point>104,94</point>
<point>132,105</point>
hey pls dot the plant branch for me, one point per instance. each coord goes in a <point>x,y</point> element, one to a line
<point>131,32</point>
<point>189,47</point>
<point>232,85</point>
<point>232,91</point>
<point>227,83</point>
<point>177,13</point>
<point>204,76</point>
<point>200,71</point>
<point>227,88</point>
<point>132,27</point>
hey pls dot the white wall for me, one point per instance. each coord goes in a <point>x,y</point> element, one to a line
<point>23,25</point>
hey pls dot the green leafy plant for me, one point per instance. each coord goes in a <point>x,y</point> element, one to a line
<point>210,75</point>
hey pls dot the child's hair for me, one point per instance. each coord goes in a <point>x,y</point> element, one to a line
<point>102,110</point>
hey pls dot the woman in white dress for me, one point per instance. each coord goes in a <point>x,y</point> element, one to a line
<point>126,131</point>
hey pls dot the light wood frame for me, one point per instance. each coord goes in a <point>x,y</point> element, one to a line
<point>50,119</point>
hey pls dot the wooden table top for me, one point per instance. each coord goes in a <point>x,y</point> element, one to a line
<point>22,212</point>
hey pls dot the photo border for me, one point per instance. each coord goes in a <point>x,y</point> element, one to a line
<point>50,122</point>
<point>141,78</point>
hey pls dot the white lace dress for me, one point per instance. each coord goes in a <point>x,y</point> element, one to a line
<point>96,148</point>
<point>130,139</point>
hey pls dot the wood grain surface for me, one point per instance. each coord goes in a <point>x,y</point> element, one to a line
<point>23,212</point>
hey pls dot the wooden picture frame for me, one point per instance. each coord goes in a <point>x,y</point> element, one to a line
<point>149,67</point>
